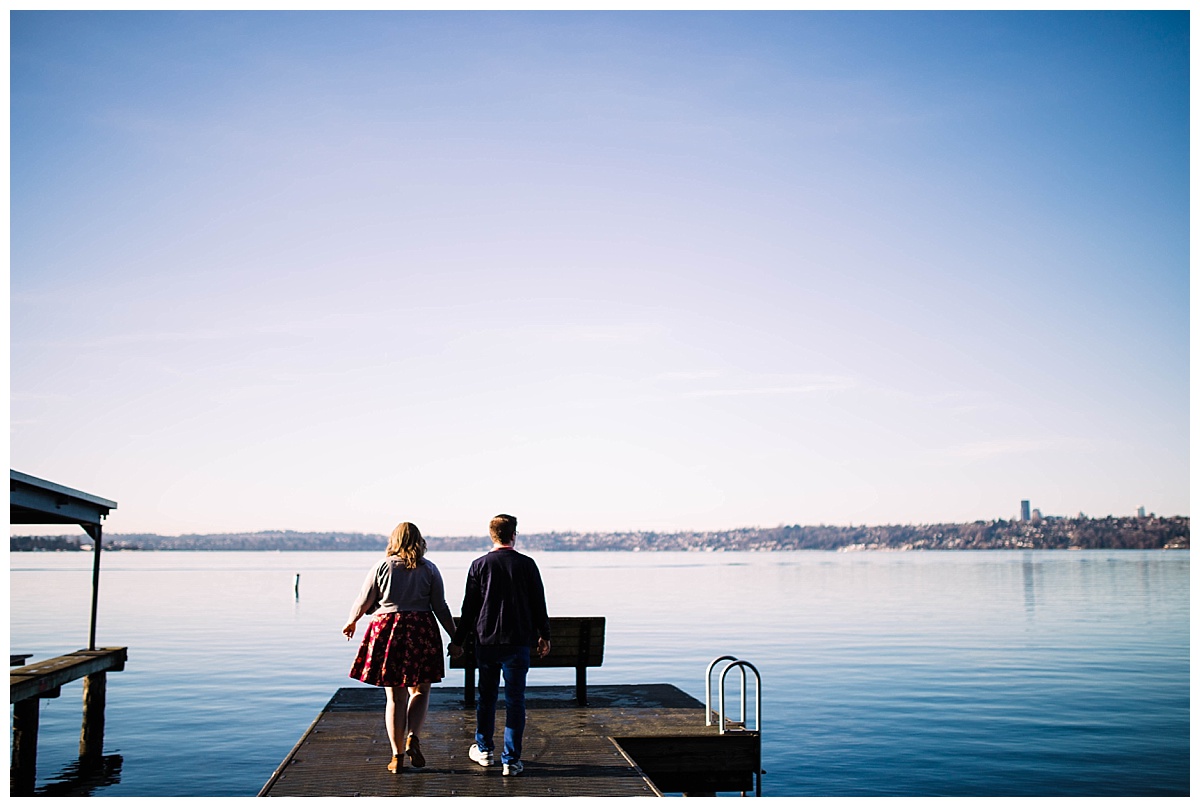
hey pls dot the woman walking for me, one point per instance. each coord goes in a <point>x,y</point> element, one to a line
<point>402,649</point>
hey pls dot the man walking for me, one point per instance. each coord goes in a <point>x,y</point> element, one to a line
<point>505,608</point>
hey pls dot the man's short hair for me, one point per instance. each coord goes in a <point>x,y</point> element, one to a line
<point>503,528</point>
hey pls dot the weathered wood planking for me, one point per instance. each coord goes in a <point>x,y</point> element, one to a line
<point>569,750</point>
<point>43,677</point>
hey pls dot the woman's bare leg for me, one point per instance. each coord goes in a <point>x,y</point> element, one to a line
<point>418,707</point>
<point>396,718</point>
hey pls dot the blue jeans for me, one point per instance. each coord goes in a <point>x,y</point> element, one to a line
<point>513,662</point>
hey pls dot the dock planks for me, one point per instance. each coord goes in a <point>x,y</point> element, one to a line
<point>44,678</point>
<point>569,750</point>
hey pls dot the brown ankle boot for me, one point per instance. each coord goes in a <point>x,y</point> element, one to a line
<point>413,749</point>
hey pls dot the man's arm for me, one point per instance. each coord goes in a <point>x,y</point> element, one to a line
<point>541,616</point>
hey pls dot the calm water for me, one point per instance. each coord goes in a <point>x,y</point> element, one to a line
<point>884,674</point>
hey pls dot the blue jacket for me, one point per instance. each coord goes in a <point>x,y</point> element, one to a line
<point>504,603</point>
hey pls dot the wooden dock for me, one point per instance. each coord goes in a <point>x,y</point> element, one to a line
<point>45,679</point>
<point>630,740</point>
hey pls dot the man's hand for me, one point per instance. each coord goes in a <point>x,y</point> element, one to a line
<point>543,647</point>
<point>454,651</point>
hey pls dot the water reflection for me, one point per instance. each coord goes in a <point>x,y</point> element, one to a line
<point>84,777</point>
<point>1027,574</point>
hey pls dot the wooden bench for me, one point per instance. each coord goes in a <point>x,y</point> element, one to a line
<point>575,641</point>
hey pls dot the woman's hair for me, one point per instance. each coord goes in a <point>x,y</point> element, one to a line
<point>503,528</point>
<point>407,544</point>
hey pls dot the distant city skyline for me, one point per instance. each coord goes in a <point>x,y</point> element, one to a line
<point>1025,514</point>
<point>606,271</point>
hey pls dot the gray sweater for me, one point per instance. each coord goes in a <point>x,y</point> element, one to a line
<point>390,588</point>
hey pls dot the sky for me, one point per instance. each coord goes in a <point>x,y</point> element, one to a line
<point>604,271</point>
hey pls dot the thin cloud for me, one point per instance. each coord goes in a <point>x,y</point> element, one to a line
<point>38,397</point>
<point>160,337</point>
<point>612,333</point>
<point>804,388</point>
<point>988,449</point>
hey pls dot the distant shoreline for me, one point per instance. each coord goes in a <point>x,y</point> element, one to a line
<point>1151,532</point>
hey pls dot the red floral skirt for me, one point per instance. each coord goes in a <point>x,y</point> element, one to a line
<point>400,650</point>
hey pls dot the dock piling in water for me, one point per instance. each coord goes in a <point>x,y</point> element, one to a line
<point>91,734</point>
<point>29,684</point>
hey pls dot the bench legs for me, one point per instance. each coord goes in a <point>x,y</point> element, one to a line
<point>581,686</point>
<point>469,687</point>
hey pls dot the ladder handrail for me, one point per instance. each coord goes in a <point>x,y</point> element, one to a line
<point>742,665</point>
<point>742,670</point>
<point>708,688</point>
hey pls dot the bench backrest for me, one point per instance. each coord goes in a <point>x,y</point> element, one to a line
<point>575,641</point>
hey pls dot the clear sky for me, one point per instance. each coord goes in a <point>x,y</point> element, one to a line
<point>604,271</point>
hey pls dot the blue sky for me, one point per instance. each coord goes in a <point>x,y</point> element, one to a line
<point>605,271</point>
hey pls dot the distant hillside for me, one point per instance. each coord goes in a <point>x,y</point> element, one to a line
<point>285,540</point>
<point>1057,533</point>
<point>1052,533</point>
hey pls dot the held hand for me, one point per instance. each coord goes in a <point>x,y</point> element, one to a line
<point>454,651</point>
<point>348,631</point>
<point>543,648</point>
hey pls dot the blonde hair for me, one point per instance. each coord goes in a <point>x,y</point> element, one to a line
<point>407,544</point>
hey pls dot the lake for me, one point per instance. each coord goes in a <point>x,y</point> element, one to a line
<point>1005,673</point>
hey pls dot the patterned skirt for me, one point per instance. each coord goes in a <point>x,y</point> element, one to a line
<point>400,650</point>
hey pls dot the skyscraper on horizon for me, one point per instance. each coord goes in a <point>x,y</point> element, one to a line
<point>1024,509</point>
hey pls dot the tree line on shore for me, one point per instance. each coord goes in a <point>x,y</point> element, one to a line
<point>1154,532</point>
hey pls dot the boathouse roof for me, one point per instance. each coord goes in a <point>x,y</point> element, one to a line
<point>37,501</point>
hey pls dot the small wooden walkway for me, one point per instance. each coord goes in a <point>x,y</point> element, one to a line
<point>45,679</point>
<point>569,750</point>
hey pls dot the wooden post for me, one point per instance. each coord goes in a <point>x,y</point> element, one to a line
<point>469,687</point>
<point>22,775</point>
<point>585,649</point>
<point>91,736</point>
<point>581,686</point>
<point>94,530</point>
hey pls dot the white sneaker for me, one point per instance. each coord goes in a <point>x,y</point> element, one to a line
<point>513,768</point>
<point>484,758</point>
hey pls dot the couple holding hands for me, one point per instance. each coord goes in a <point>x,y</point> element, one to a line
<point>504,609</point>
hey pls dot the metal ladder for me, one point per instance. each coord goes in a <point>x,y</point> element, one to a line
<point>742,667</point>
